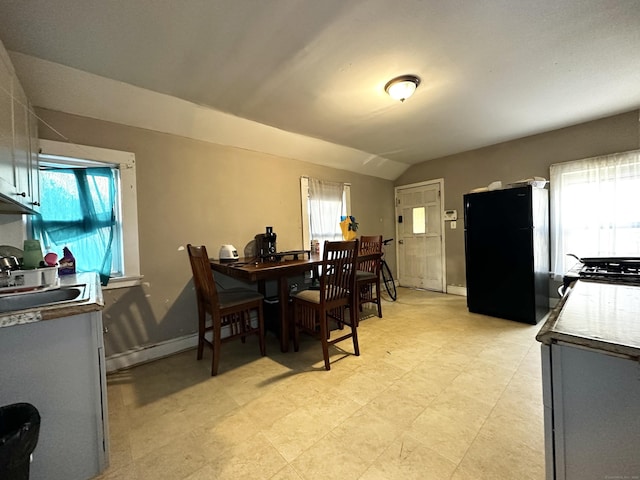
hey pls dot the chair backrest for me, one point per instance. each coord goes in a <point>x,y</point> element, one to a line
<point>338,279</point>
<point>370,245</point>
<point>202,275</point>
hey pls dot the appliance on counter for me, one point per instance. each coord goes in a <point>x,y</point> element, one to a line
<point>228,253</point>
<point>266,246</point>
<point>624,270</point>
<point>507,253</point>
<point>292,255</point>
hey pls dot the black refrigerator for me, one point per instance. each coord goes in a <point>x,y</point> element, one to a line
<point>506,236</point>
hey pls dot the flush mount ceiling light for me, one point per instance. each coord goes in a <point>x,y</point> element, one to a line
<point>401,88</point>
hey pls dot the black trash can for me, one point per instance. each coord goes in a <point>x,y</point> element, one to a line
<point>19,430</point>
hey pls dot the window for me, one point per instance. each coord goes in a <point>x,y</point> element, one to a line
<point>98,190</point>
<point>594,208</point>
<point>419,220</point>
<point>323,203</point>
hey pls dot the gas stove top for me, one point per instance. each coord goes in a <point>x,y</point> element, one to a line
<point>610,269</point>
<point>623,270</point>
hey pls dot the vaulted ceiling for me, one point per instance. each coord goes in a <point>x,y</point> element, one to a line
<point>491,70</point>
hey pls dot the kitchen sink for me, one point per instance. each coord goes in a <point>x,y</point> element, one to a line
<point>29,300</point>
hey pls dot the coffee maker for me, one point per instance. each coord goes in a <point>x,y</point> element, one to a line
<point>266,246</point>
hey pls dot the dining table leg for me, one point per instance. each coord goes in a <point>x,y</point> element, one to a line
<point>262,287</point>
<point>261,273</point>
<point>283,310</point>
<point>283,298</point>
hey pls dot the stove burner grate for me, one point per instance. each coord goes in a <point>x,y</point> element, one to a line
<point>622,272</point>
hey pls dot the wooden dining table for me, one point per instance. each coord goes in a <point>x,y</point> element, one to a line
<point>254,271</point>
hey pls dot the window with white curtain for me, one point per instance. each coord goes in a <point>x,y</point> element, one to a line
<point>595,208</point>
<point>323,203</point>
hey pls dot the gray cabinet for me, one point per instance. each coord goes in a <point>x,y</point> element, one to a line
<point>591,412</point>
<point>58,366</point>
<point>591,383</point>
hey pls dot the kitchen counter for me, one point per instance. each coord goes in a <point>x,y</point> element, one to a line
<point>58,367</point>
<point>601,316</point>
<point>94,302</point>
<point>590,352</point>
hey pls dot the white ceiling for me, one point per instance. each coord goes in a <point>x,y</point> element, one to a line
<point>491,70</point>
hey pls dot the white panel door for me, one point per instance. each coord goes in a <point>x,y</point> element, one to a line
<point>420,252</point>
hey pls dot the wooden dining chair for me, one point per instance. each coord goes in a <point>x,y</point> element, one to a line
<point>313,309</point>
<point>229,309</point>
<point>368,272</point>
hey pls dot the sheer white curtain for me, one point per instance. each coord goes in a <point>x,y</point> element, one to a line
<point>595,208</point>
<point>325,208</point>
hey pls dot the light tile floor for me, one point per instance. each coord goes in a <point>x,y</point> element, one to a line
<point>437,393</point>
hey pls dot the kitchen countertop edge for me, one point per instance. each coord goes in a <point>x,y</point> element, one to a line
<point>94,303</point>
<point>552,332</point>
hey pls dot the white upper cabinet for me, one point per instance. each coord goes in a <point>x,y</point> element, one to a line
<point>7,180</point>
<point>34,160</point>
<point>21,146</point>
<point>19,166</point>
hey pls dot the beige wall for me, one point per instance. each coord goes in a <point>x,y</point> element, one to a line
<point>196,192</point>
<point>515,160</point>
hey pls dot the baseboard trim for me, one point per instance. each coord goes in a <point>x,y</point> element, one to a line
<point>457,290</point>
<point>140,355</point>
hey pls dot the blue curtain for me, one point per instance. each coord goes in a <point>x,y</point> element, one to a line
<point>78,211</point>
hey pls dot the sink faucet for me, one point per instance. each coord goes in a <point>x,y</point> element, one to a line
<point>5,275</point>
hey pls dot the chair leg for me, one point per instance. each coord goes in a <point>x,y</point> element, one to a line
<point>338,317</point>
<point>324,333</point>
<point>296,330</point>
<point>245,321</point>
<point>354,330</point>
<point>261,333</point>
<point>201,330</point>
<point>379,302</point>
<point>215,361</point>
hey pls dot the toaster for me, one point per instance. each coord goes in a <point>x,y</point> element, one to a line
<point>228,252</point>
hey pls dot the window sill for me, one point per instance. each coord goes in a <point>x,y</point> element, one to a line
<point>123,282</point>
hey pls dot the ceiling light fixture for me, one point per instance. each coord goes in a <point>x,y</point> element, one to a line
<point>401,88</point>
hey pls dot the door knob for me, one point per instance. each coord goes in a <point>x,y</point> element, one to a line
<point>401,242</point>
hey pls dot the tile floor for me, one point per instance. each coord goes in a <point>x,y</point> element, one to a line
<point>437,393</point>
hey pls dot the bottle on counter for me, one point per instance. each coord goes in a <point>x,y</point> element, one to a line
<point>32,254</point>
<point>67,263</point>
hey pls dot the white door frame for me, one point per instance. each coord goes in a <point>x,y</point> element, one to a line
<point>439,181</point>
